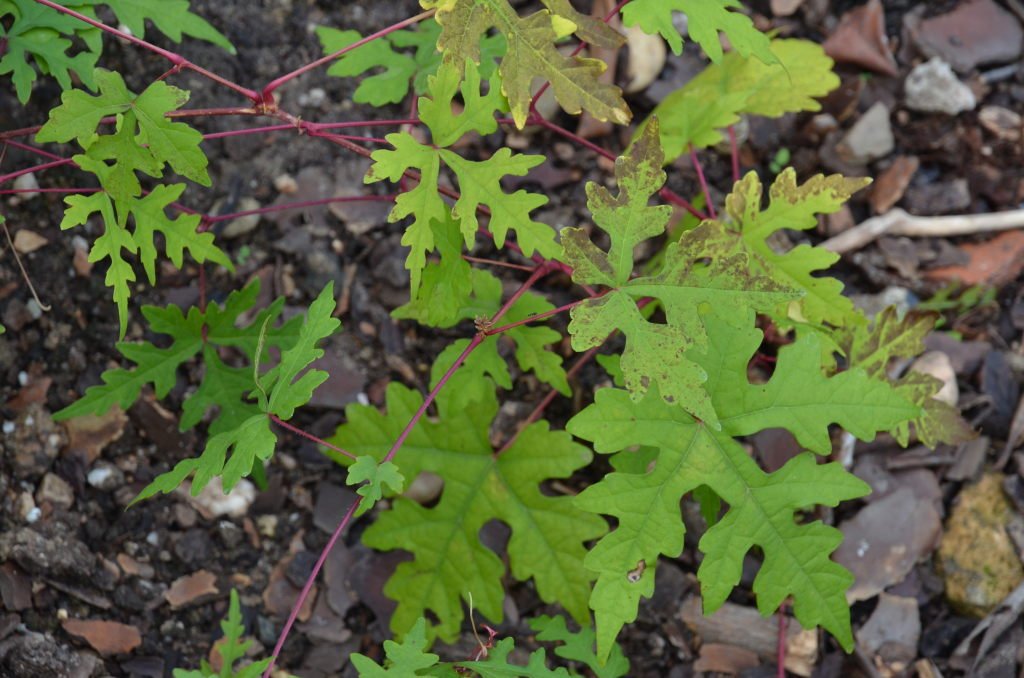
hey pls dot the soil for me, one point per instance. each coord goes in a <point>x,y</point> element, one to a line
<point>85,556</point>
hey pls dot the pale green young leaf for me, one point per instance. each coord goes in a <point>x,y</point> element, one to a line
<point>795,207</point>
<point>148,216</point>
<point>579,646</point>
<point>366,469</point>
<point>721,93</point>
<point>480,185</point>
<point>422,202</point>
<point>531,54</point>
<point>478,109</point>
<point>447,283</point>
<point>405,659</point>
<point>33,31</point>
<point>449,560</point>
<point>141,120</point>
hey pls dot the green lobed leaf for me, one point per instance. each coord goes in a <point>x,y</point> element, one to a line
<point>449,560</point>
<point>696,113</point>
<point>233,450</point>
<point>141,121</point>
<point>532,53</point>
<point>479,181</point>
<point>407,658</point>
<point>231,649</point>
<point>578,646</point>
<point>44,36</point>
<point>288,390</point>
<point>799,398</point>
<point>170,17</point>
<point>705,20</point>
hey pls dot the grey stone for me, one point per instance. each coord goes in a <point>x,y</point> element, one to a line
<point>870,138</point>
<point>932,87</point>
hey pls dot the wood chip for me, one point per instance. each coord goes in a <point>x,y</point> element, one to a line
<point>746,628</point>
<point>106,637</point>
<point>191,588</point>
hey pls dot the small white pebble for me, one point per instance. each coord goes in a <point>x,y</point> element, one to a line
<point>153,539</point>
<point>9,428</point>
<point>30,421</point>
<point>62,614</point>
<point>34,309</point>
<point>98,476</point>
<point>33,515</point>
<point>22,378</point>
<point>362,399</point>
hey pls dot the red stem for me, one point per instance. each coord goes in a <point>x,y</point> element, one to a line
<point>267,95</point>
<point>309,436</point>
<point>176,59</point>
<point>37,168</point>
<point>703,183</point>
<point>32,149</point>
<point>535,318</point>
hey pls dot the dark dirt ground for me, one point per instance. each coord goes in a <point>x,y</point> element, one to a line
<point>82,556</point>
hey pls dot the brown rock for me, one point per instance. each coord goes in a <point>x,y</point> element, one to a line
<point>978,561</point>
<point>56,491</point>
<point>892,183</point>
<point>860,39</point>
<point>885,539</point>
<point>993,262</point>
<point>26,241</point>
<point>191,588</point>
<point>106,637</point>
<point>975,33</point>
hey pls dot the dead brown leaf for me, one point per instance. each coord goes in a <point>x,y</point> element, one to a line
<point>106,637</point>
<point>89,435</point>
<point>994,262</point>
<point>190,588</point>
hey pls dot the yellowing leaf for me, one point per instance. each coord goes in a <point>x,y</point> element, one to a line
<point>705,273</point>
<point>722,92</point>
<point>532,54</point>
<point>795,207</point>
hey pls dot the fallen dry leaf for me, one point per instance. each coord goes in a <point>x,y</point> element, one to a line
<point>89,435</point>
<point>190,588</point>
<point>280,595</point>
<point>106,637</point>
<point>891,184</point>
<point>647,54</point>
<point>860,39</point>
<point>26,241</point>
<point>32,392</point>
<point>995,262</point>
